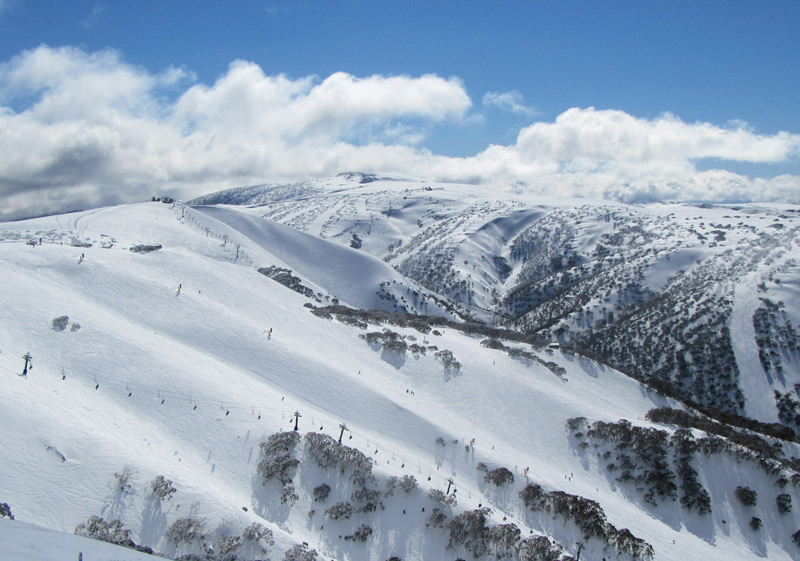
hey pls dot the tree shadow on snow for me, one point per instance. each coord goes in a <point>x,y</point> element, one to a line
<point>590,367</point>
<point>154,522</point>
<point>394,358</point>
<point>266,501</point>
<point>115,504</point>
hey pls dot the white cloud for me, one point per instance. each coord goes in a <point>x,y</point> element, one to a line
<point>509,101</point>
<point>615,136</point>
<point>84,129</point>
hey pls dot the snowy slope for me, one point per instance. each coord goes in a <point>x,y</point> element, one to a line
<point>186,384</point>
<point>353,277</point>
<point>34,543</point>
<point>608,277</point>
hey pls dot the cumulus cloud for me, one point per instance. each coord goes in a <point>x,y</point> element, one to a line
<point>80,129</point>
<point>509,101</point>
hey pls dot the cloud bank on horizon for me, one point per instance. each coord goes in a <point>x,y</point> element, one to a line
<point>85,129</point>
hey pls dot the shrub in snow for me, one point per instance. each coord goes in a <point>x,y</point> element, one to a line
<point>162,488</point>
<point>289,495</point>
<point>796,538</point>
<point>99,529</point>
<point>329,453</point>
<point>365,495</point>
<point>370,507</point>
<point>227,547</point>
<point>186,530</point>
<point>60,323</point>
<point>300,552</point>
<point>321,492</point>
<point>693,495</point>
<point>285,277</point>
<point>755,523</point>
<point>143,248</point>
<point>533,497</point>
<point>322,313</point>
<point>347,320</point>
<point>437,519</point>
<point>628,544</point>
<point>391,483</point>
<point>784,503</point>
<point>482,467</point>
<point>499,476</point>
<point>650,448</point>
<point>491,343</point>
<point>110,531</point>
<point>280,468</point>
<point>124,479</point>
<point>279,444</point>
<point>341,509</point>
<point>503,537</point>
<point>370,498</point>
<point>587,515</point>
<point>256,532</point>
<point>277,463</point>
<point>468,530</point>
<point>749,440</point>
<point>408,483</point>
<point>440,497</point>
<point>5,511</point>
<point>746,496</point>
<point>74,327</point>
<point>396,346</point>
<point>539,548</point>
<point>361,534</point>
<point>449,362</point>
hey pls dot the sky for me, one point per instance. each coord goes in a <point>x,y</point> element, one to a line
<point>109,102</point>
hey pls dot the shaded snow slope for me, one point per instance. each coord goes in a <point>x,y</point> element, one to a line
<point>129,371</point>
<point>354,277</point>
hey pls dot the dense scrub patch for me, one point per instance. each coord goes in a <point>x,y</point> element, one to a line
<point>329,453</point>
<point>277,463</point>
<point>588,516</point>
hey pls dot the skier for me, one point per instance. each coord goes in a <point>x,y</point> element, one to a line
<point>179,289</point>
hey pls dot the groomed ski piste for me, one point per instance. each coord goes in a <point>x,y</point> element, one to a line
<point>181,361</point>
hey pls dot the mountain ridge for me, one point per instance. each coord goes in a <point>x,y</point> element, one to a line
<point>185,362</point>
<point>573,270</point>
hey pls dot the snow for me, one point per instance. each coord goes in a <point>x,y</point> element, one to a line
<point>755,382</point>
<point>187,384</point>
<point>34,543</point>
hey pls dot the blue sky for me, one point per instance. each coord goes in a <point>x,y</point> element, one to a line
<point>722,74</point>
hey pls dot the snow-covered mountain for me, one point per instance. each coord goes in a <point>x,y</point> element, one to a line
<point>166,371</point>
<point>700,300</point>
